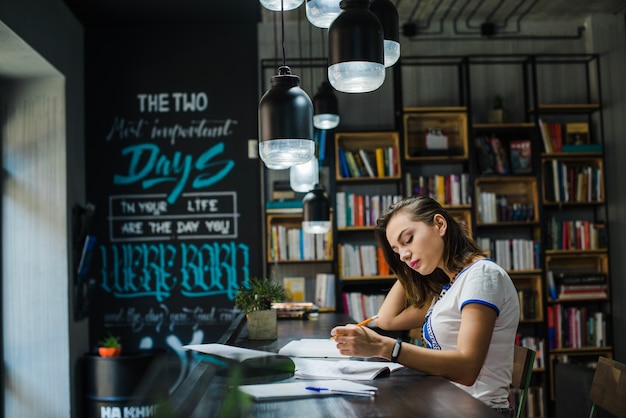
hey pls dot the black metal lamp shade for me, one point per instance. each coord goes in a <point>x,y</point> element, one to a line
<point>387,13</point>
<point>355,49</point>
<point>325,107</point>
<point>316,211</point>
<point>285,122</point>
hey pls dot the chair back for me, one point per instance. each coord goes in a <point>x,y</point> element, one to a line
<point>523,361</point>
<point>608,389</point>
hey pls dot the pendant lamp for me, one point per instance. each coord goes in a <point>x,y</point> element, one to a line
<point>321,13</point>
<point>278,5</point>
<point>355,49</point>
<point>286,122</point>
<point>316,211</point>
<point>325,107</point>
<point>387,13</point>
<point>304,177</point>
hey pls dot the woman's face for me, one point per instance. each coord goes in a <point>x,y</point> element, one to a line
<point>419,246</point>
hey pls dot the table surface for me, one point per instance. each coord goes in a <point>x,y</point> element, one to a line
<point>405,393</point>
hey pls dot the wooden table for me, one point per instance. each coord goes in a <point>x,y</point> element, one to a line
<point>406,393</point>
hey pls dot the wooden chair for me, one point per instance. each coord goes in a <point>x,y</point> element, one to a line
<point>523,361</point>
<point>608,389</point>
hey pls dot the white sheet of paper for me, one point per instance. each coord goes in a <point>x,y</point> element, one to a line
<point>273,391</point>
<point>312,347</point>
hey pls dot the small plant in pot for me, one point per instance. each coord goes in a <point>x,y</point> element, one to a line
<point>110,346</point>
<point>255,298</point>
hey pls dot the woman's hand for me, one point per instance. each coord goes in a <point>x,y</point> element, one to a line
<point>357,341</point>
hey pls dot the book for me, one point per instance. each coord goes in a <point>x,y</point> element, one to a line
<point>545,136</point>
<point>254,363</point>
<point>312,347</point>
<point>307,389</point>
<point>294,288</point>
<point>367,163</point>
<point>325,290</point>
<point>380,162</point>
<point>309,368</point>
<point>577,133</point>
<point>521,156</point>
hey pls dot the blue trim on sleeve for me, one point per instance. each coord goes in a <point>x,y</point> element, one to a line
<point>482,302</point>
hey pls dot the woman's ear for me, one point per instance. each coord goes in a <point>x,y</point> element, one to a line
<point>441,224</point>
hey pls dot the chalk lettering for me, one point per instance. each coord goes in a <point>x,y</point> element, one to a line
<point>154,102</point>
<point>183,227</point>
<point>202,205</point>
<point>150,270</point>
<point>126,129</point>
<point>132,228</point>
<point>145,160</point>
<point>203,128</point>
<point>222,226</point>
<point>153,207</point>
<point>190,102</point>
<point>160,227</point>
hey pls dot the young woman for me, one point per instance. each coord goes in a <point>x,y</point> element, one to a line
<point>467,304</point>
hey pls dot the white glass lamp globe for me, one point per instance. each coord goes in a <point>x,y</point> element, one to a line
<point>275,6</point>
<point>321,13</point>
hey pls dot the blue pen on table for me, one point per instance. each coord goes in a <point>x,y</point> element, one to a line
<point>367,393</point>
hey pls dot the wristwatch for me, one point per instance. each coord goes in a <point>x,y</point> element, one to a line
<point>396,350</point>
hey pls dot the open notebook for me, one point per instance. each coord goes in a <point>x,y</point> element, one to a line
<point>319,358</point>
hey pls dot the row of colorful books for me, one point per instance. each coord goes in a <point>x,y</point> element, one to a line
<point>293,244</point>
<point>558,136</point>
<point>380,162</point>
<point>577,286</point>
<point>578,234</point>
<point>575,327</point>
<point>361,260</point>
<point>449,189</point>
<point>573,182</point>
<point>360,306</point>
<point>513,254</point>
<point>493,157</point>
<point>354,209</point>
<point>495,208</point>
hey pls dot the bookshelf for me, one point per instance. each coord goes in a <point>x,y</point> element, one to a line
<point>549,140</point>
<point>574,212</point>
<point>360,198</point>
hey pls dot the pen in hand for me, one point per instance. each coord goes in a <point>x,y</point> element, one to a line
<point>360,324</point>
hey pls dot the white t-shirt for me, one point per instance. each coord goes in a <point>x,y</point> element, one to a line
<point>487,283</point>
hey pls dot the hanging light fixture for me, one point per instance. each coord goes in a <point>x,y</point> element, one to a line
<point>321,13</point>
<point>285,119</point>
<point>278,5</point>
<point>387,13</point>
<point>355,49</point>
<point>304,177</point>
<point>316,211</point>
<point>325,107</point>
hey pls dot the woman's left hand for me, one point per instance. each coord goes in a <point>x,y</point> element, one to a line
<point>361,342</point>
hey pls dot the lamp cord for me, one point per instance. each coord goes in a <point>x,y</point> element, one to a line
<point>282,20</point>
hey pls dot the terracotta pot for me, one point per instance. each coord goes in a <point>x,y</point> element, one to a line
<point>109,351</point>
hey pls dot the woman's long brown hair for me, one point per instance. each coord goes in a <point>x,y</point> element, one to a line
<point>459,248</point>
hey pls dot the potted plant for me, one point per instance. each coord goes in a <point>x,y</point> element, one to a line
<point>255,298</point>
<point>110,346</point>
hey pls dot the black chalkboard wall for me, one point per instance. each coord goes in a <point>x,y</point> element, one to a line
<point>170,111</point>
